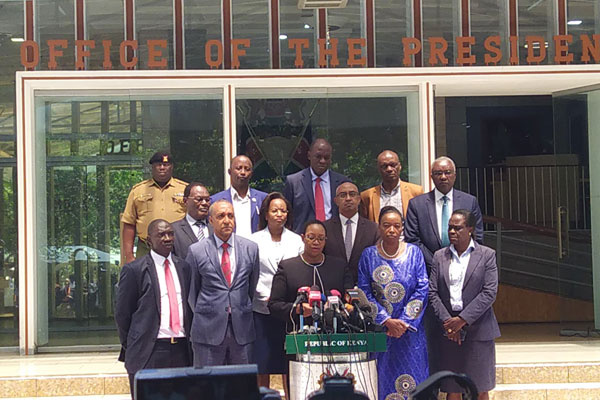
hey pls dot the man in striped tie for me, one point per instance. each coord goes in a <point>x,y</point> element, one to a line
<point>156,281</point>
<point>194,226</point>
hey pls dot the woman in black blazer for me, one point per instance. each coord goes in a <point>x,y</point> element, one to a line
<point>462,289</point>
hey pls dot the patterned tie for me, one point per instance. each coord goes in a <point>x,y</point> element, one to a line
<point>225,265</point>
<point>445,219</point>
<point>200,224</point>
<point>348,239</point>
<point>319,201</point>
<point>174,321</point>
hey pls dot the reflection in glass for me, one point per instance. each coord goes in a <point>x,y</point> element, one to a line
<point>202,19</point>
<point>297,24</point>
<point>440,19</point>
<point>488,19</point>
<point>536,19</point>
<point>104,19</point>
<point>345,23</point>
<point>392,23</point>
<point>154,21</point>
<point>276,132</point>
<point>95,151</point>
<point>583,18</point>
<point>250,20</point>
<point>11,32</point>
<point>55,20</point>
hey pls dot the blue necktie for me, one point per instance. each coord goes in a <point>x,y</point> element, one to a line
<point>445,219</point>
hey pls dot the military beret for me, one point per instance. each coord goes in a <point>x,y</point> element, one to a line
<point>161,157</point>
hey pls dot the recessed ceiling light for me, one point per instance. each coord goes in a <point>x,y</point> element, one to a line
<point>17,39</point>
<point>283,36</point>
<point>307,26</point>
<point>575,22</point>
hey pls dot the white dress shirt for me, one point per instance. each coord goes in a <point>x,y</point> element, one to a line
<point>196,228</point>
<point>270,254</point>
<point>165,330</point>
<point>439,204</point>
<point>242,208</point>
<point>325,187</point>
<point>393,198</point>
<point>354,226</point>
<point>230,250</point>
<point>456,271</point>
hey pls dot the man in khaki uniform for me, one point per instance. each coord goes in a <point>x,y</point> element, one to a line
<point>158,197</point>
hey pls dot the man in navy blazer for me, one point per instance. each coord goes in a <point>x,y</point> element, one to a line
<point>300,187</point>
<point>423,225</point>
<point>194,226</point>
<point>146,322</point>
<point>246,201</point>
<point>225,269</point>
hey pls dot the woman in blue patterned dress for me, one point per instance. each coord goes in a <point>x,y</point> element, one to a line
<point>392,275</point>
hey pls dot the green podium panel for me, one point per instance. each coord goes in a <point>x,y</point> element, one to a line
<point>336,343</point>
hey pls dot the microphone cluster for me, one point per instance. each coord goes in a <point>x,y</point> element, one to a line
<point>334,313</point>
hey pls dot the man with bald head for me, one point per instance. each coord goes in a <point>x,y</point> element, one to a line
<point>348,234</point>
<point>311,190</point>
<point>246,201</point>
<point>391,192</point>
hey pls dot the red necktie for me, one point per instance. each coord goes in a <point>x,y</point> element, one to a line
<point>319,201</point>
<point>174,322</point>
<point>225,265</point>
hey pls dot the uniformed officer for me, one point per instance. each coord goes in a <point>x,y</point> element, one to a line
<point>158,197</point>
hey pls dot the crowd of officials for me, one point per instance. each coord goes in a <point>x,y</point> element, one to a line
<point>214,277</point>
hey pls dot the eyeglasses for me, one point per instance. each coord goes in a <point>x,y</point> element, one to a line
<point>440,173</point>
<point>312,238</point>
<point>345,195</point>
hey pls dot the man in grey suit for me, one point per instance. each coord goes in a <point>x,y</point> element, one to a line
<point>224,274</point>
<point>427,216</point>
<point>151,312</point>
<point>311,190</point>
<point>194,226</point>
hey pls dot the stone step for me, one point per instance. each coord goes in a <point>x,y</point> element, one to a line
<point>547,391</point>
<point>541,373</point>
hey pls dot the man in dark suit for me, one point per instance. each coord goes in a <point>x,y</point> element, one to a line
<point>225,269</point>
<point>194,226</point>
<point>348,234</point>
<point>428,214</point>
<point>246,201</point>
<point>311,190</point>
<point>151,311</point>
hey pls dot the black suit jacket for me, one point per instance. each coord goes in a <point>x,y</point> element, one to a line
<point>299,192</point>
<point>137,309</point>
<point>185,237</point>
<point>367,234</point>
<point>421,227</point>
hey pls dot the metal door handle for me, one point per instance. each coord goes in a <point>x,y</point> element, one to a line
<point>562,231</point>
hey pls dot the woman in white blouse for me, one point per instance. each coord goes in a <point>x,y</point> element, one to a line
<point>276,242</point>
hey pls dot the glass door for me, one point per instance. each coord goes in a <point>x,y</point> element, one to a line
<point>575,209</point>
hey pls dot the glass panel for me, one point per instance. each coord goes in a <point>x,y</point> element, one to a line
<point>250,20</point>
<point>440,19</point>
<point>11,21</point>
<point>297,24</point>
<point>392,23</point>
<point>536,18</point>
<point>504,149</point>
<point>104,20</point>
<point>202,23</point>
<point>275,130</point>
<point>488,19</point>
<point>55,20</point>
<point>574,224</point>
<point>93,152</point>
<point>154,21</point>
<point>343,24</point>
<point>583,19</point>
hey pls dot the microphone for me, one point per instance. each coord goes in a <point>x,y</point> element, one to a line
<point>353,297</point>
<point>315,300</point>
<point>302,296</point>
